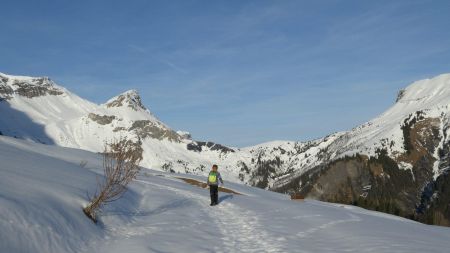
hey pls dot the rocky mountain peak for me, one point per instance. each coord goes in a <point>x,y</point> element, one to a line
<point>25,86</point>
<point>130,98</point>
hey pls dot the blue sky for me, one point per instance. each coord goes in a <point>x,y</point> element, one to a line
<point>234,72</point>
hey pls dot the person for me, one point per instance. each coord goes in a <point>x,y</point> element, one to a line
<point>213,183</point>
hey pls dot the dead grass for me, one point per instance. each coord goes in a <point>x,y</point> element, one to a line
<point>204,185</point>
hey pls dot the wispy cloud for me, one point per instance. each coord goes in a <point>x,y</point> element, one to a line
<point>137,48</point>
<point>175,67</point>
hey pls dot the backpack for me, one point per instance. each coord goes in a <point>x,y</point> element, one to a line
<point>212,178</point>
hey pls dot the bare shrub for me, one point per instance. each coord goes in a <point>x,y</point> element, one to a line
<point>120,166</point>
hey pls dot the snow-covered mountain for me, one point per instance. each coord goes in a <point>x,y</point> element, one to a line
<point>37,109</point>
<point>43,189</point>
<point>407,145</point>
<point>396,163</point>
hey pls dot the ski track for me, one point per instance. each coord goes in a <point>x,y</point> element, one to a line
<point>241,230</point>
<point>303,234</point>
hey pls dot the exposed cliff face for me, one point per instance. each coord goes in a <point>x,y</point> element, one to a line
<point>434,207</point>
<point>5,90</point>
<point>42,87</point>
<point>27,87</point>
<point>101,119</point>
<point>199,146</point>
<point>149,129</point>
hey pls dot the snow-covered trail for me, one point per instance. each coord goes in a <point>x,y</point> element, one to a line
<point>230,228</point>
<point>242,230</point>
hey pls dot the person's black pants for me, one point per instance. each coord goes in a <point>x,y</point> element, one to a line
<point>214,192</point>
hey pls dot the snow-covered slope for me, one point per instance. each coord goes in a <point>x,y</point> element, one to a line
<point>38,109</point>
<point>43,189</point>
<point>430,97</point>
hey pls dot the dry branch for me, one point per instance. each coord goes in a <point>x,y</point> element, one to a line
<point>120,166</point>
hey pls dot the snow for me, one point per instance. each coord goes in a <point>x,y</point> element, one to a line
<point>43,189</point>
<point>19,78</point>
<point>427,91</point>
<point>405,166</point>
